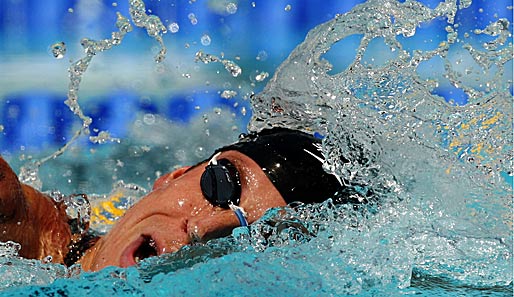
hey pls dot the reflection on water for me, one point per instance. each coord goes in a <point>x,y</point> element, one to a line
<point>435,125</point>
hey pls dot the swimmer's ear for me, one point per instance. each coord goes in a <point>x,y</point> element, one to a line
<point>11,193</point>
<point>169,176</point>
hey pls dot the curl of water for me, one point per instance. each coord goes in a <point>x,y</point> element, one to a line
<point>153,25</point>
<point>385,128</point>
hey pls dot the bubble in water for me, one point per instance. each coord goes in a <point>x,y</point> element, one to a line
<point>231,8</point>
<point>288,7</point>
<point>206,40</point>
<point>70,10</point>
<point>58,49</point>
<point>174,27</point>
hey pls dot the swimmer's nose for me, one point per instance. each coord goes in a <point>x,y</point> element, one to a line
<point>165,179</point>
<point>215,226</point>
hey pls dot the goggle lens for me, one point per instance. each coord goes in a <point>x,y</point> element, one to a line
<point>220,184</point>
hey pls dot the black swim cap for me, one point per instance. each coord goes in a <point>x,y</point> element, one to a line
<point>286,157</point>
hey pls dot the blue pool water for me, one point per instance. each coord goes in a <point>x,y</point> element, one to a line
<point>423,88</point>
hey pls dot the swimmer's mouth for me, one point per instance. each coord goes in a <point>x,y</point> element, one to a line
<point>147,249</point>
<point>144,247</point>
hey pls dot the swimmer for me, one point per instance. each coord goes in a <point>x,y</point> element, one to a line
<point>234,187</point>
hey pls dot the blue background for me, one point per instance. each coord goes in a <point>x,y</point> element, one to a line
<point>32,112</point>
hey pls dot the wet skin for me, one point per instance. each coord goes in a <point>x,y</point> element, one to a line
<point>176,213</point>
<point>32,219</point>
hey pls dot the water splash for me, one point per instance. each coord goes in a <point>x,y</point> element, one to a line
<point>151,23</point>
<point>58,50</point>
<point>106,210</point>
<point>9,249</point>
<point>230,66</point>
<point>445,211</point>
<point>77,69</point>
<point>154,28</point>
<point>383,90</point>
<point>431,162</point>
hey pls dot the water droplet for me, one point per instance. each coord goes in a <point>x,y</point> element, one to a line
<point>288,7</point>
<point>261,76</point>
<point>174,27</point>
<point>262,56</point>
<point>70,10</point>
<point>200,152</point>
<point>230,66</point>
<point>206,40</point>
<point>231,8</point>
<point>192,18</point>
<point>181,155</point>
<point>103,137</point>
<point>227,94</point>
<point>149,119</point>
<point>58,50</point>
<point>47,259</point>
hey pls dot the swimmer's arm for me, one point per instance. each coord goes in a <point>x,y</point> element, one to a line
<point>31,219</point>
<point>11,194</point>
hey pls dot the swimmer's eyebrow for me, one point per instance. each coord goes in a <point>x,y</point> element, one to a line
<point>201,162</point>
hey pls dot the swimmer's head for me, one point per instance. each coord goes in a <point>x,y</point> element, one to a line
<point>293,162</point>
<point>262,171</point>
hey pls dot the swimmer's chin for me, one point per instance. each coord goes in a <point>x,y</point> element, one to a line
<point>145,246</point>
<point>94,258</point>
<point>87,261</point>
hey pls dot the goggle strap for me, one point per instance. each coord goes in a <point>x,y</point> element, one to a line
<point>240,214</point>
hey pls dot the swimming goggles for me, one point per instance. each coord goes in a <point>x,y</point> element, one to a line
<point>221,186</point>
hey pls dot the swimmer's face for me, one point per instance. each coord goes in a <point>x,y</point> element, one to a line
<point>176,213</point>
